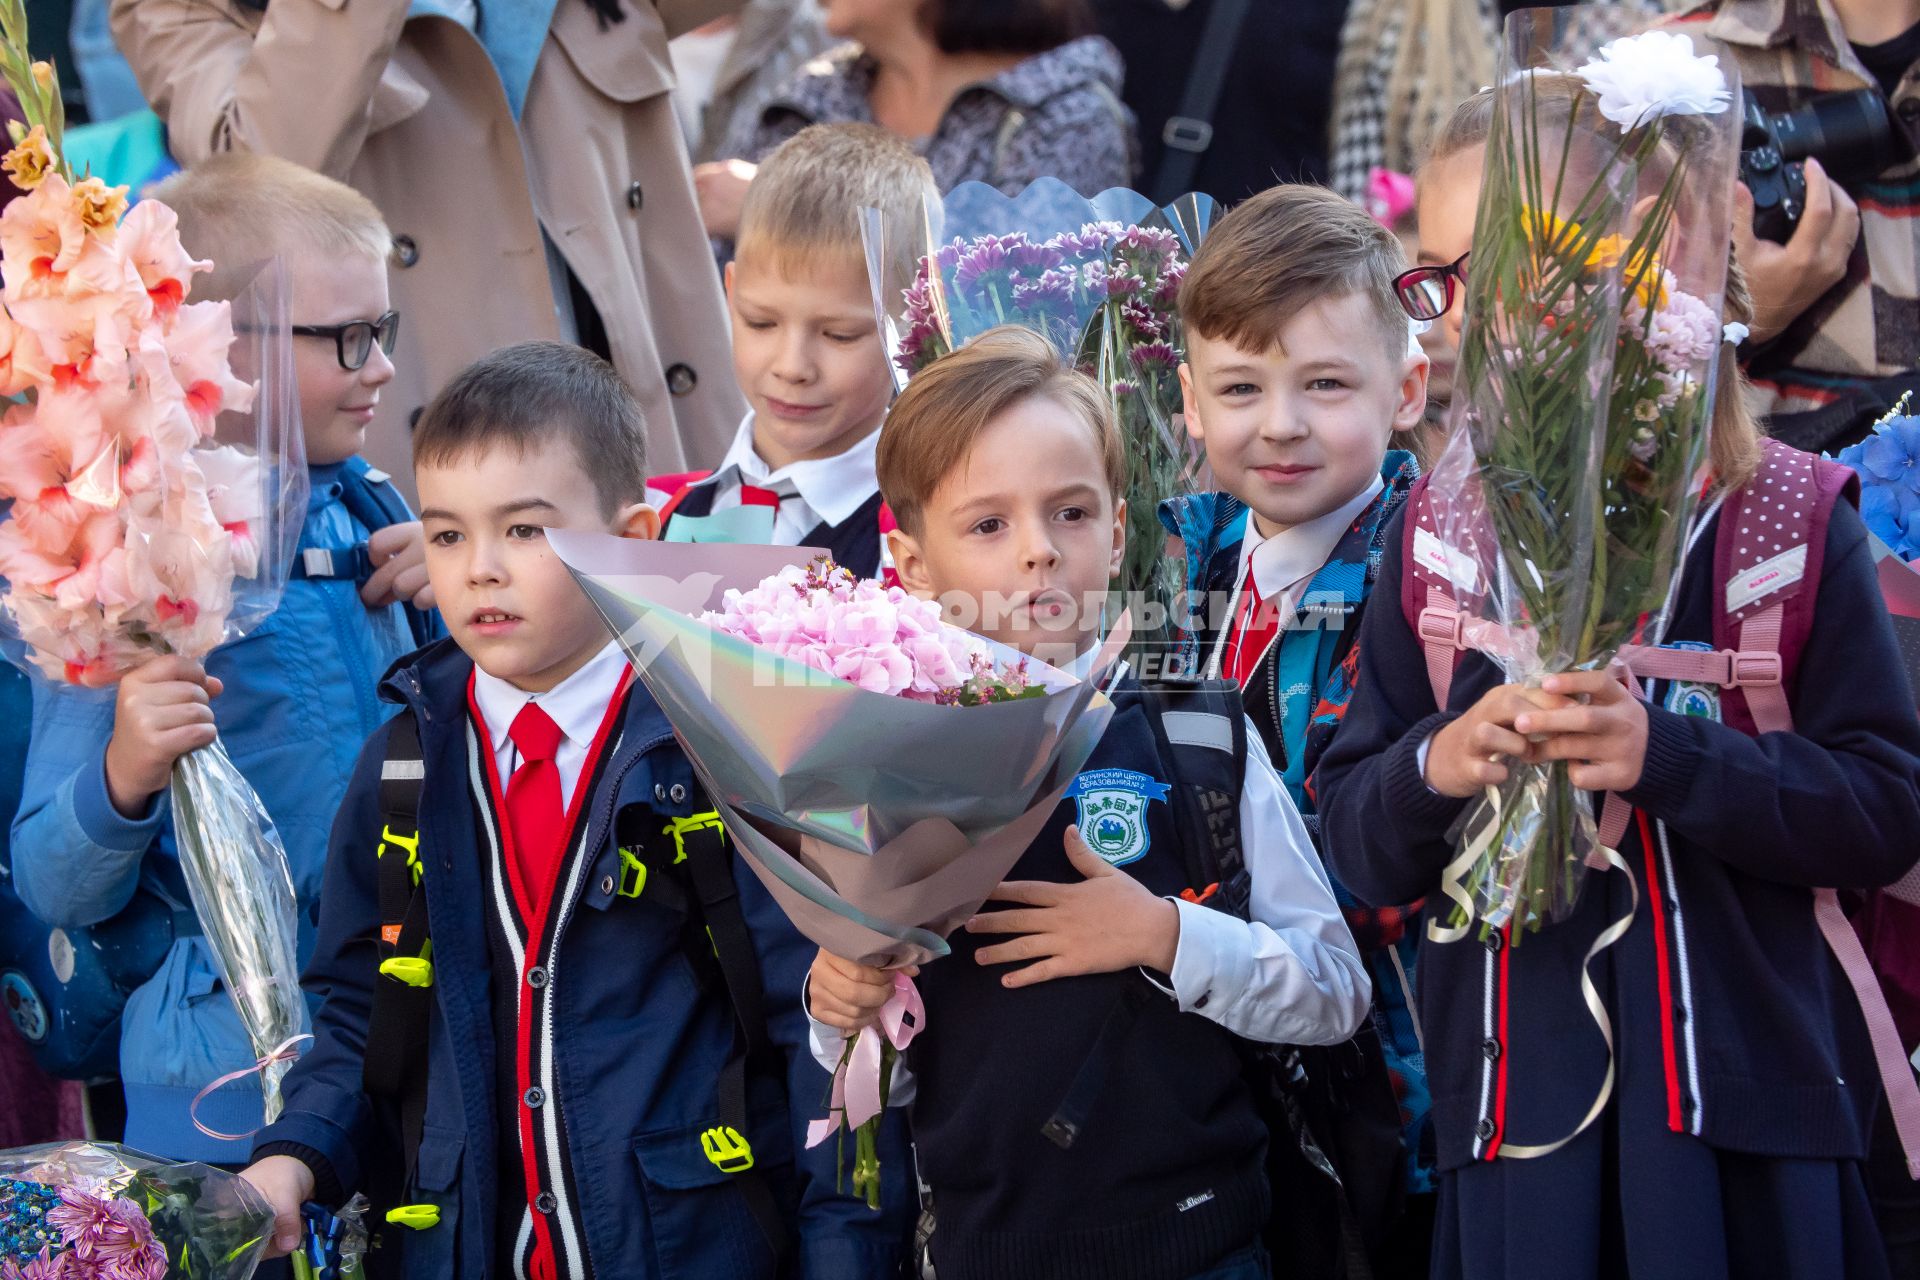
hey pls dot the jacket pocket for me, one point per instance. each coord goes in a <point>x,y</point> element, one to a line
<point>435,1250</point>
<point>699,1220</point>
<point>628,63</point>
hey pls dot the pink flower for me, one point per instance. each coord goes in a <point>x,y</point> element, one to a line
<point>45,1267</point>
<point>197,346</point>
<point>150,239</point>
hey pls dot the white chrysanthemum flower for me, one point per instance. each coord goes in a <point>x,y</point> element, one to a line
<point>1642,78</point>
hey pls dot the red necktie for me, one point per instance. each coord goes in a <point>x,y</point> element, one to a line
<point>1255,630</point>
<point>534,811</point>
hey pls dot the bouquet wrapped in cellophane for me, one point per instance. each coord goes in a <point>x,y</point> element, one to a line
<point>152,465</point>
<point>1584,400</point>
<point>1098,278</point>
<point>95,1211</point>
<point>879,769</point>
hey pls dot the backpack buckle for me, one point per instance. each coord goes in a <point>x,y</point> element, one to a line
<point>415,971</point>
<point>1443,626</point>
<point>410,844</point>
<point>681,828</point>
<point>633,874</point>
<point>415,1217</point>
<point>1747,670</point>
<point>727,1148</point>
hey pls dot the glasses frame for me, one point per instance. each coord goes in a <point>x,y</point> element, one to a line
<point>1452,277</point>
<point>385,331</point>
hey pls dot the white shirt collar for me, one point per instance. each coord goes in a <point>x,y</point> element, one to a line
<point>577,704</point>
<point>1289,557</point>
<point>833,487</point>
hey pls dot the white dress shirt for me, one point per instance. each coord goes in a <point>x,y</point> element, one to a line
<point>1289,975</point>
<point>577,704</point>
<point>1283,566</point>
<point>814,492</point>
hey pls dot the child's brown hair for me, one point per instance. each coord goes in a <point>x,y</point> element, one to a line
<point>933,425</point>
<point>1734,438</point>
<point>1283,250</point>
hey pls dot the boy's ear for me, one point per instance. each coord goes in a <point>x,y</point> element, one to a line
<point>726,282</point>
<point>638,521</point>
<point>909,563</point>
<point>1412,409</point>
<point>1119,538</point>
<point>1189,408</point>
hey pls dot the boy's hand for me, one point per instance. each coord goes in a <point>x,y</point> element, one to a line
<point>1106,923</point>
<point>1604,739</point>
<point>160,714</point>
<point>1469,754</point>
<point>846,995</point>
<point>287,1184</point>
<point>1788,278</point>
<point>720,187</point>
<point>399,555</point>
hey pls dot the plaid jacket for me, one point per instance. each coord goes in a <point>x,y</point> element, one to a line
<point>1868,325</point>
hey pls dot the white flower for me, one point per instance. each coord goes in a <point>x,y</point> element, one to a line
<point>1657,73</point>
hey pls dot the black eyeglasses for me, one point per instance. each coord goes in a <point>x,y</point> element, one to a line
<point>353,341</point>
<point>1426,293</point>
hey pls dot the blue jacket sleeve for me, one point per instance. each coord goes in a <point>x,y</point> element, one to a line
<point>1836,802</point>
<point>328,1120</point>
<point>1384,832</point>
<point>839,1234</point>
<point>76,859</point>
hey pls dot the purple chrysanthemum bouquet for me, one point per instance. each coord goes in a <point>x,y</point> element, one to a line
<point>1099,280</point>
<point>94,1211</point>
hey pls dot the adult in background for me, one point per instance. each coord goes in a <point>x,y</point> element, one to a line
<point>998,91</point>
<point>1232,95</point>
<point>525,154</point>
<point>727,71</point>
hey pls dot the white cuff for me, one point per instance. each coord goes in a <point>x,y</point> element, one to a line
<point>1212,962</point>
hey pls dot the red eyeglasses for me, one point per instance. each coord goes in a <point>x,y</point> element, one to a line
<point>1426,293</point>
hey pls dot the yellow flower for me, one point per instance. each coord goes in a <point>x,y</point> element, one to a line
<point>43,74</point>
<point>1644,270</point>
<point>100,205</point>
<point>29,163</point>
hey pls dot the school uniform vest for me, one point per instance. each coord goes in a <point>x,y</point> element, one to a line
<point>538,1203</point>
<point>854,543</point>
<point>1049,1153</point>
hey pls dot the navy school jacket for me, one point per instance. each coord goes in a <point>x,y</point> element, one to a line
<point>1763,1047</point>
<point>636,1048</point>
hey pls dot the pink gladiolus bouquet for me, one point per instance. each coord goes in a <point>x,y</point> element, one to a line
<point>87,1211</point>
<point>877,637</point>
<point>146,489</point>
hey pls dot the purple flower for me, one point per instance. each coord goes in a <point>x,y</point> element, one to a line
<point>1143,320</point>
<point>1151,357</point>
<point>1052,292</point>
<point>1892,453</point>
<point>1033,259</point>
<point>81,1215</point>
<point>1124,284</point>
<point>1171,279</point>
<point>44,1267</point>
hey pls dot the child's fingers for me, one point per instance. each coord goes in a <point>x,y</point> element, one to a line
<point>1031,946</point>
<point>1085,860</point>
<point>1032,893</point>
<point>1575,747</point>
<point>1007,922</point>
<point>1580,684</point>
<point>1576,719</point>
<point>1035,973</point>
<point>1489,739</point>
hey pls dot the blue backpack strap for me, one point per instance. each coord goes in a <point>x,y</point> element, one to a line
<point>371,498</point>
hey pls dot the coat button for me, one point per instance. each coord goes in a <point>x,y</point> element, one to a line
<point>1492,942</point>
<point>535,1098</point>
<point>606,884</point>
<point>635,197</point>
<point>1491,1049</point>
<point>1483,1130</point>
<point>677,793</point>
<point>537,977</point>
<point>405,251</point>
<point>545,1203</point>
<point>681,379</point>
<point>659,793</point>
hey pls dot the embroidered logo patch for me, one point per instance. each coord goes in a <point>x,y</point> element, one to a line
<point>23,1006</point>
<point>1113,812</point>
<point>1685,698</point>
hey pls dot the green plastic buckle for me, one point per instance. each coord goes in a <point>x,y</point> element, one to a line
<point>633,873</point>
<point>410,843</point>
<point>415,971</point>
<point>415,1217</point>
<point>680,828</point>
<point>729,1151</point>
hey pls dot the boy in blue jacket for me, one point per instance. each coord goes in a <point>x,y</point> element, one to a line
<point>290,700</point>
<point>572,1108</point>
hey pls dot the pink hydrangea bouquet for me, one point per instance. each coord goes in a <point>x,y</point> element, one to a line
<point>88,1211</point>
<point>145,486</point>
<point>878,769</point>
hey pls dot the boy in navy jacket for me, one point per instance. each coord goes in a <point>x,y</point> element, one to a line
<point>572,1126</point>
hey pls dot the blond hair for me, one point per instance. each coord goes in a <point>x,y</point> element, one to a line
<point>807,199</point>
<point>932,427</point>
<point>1734,437</point>
<point>1283,250</point>
<point>240,209</point>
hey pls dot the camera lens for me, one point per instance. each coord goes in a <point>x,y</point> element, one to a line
<point>1847,132</point>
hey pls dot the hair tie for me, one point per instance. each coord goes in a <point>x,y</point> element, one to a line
<point>1734,332</point>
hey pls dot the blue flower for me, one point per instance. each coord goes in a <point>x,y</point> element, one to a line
<point>1885,508</point>
<point>1892,453</point>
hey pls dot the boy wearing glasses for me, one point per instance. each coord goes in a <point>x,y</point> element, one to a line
<point>1300,377</point>
<point>292,701</point>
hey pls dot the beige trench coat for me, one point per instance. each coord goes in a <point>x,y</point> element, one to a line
<point>412,113</point>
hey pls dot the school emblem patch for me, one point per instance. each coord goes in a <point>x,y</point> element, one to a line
<point>1685,698</point>
<point>1113,812</point>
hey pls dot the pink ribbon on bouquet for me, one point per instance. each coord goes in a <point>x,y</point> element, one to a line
<point>283,1053</point>
<point>856,1080</point>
